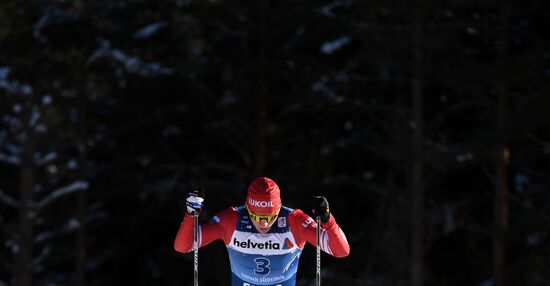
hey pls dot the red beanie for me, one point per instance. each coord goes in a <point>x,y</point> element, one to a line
<point>264,196</point>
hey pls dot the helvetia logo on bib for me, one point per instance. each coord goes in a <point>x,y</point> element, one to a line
<point>287,244</point>
<point>256,245</point>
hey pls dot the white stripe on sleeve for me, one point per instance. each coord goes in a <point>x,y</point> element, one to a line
<point>324,242</point>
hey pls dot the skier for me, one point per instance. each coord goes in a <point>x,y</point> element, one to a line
<point>263,238</point>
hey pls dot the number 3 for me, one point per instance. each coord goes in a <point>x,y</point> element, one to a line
<point>262,264</point>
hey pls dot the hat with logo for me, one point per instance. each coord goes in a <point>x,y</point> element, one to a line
<point>264,196</point>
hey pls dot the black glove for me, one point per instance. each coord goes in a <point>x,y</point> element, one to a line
<point>195,201</point>
<point>320,208</point>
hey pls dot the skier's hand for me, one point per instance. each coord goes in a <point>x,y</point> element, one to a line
<point>320,208</point>
<point>195,201</point>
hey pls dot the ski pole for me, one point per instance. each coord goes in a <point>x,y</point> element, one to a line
<point>318,250</point>
<point>196,249</point>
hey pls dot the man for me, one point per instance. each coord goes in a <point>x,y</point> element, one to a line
<point>264,239</point>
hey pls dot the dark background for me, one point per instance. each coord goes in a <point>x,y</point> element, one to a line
<point>425,124</point>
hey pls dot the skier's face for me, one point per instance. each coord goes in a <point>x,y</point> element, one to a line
<point>262,222</point>
<point>263,226</point>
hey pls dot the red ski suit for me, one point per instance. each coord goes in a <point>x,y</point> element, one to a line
<point>282,245</point>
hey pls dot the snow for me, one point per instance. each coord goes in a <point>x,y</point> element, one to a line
<point>327,9</point>
<point>149,30</point>
<point>52,169</point>
<point>130,63</point>
<point>4,83</point>
<point>10,159</point>
<point>14,149</point>
<point>332,46</point>
<point>12,245</point>
<point>72,164</point>
<point>42,160</point>
<point>465,157</point>
<point>72,224</point>
<point>4,72</point>
<point>35,116</point>
<point>76,186</point>
<point>39,26</point>
<point>26,89</point>
<point>327,91</point>
<point>38,261</point>
<point>50,15</point>
<point>8,200</point>
<point>17,108</point>
<point>96,214</point>
<point>41,128</point>
<point>12,86</point>
<point>103,215</point>
<point>47,99</point>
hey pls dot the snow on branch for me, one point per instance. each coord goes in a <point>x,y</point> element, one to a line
<point>330,47</point>
<point>149,30</point>
<point>71,225</point>
<point>8,200</point>
<point>132,64</point>
<point>74,187</point>
<point>12,86</point>
<point>38,261</point>
<point>4,83</point>
<point>14,160</point>
<point>41,160</point>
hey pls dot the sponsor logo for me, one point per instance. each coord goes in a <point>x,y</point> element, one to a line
<point>307,222</point>
<point>281,222</point>
<point>256,245</point>
<point>262,204</point>
<point>287,244</point>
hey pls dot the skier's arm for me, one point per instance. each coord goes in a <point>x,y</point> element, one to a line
<point>220,226</point>
<point>333,240</point>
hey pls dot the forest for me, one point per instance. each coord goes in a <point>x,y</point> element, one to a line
<point>424,123</point>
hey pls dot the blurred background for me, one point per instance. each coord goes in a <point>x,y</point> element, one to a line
<point>425,123</point>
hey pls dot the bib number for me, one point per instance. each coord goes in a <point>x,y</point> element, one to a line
<point>262,266</point>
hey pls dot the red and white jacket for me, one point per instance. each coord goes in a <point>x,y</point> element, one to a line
<point>263,259</point>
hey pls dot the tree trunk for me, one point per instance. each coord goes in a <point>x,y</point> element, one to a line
<point>23,263</point>
<point>417,185</point>
<point>261,148</point>
<point>503,154</point>
<point>80,245</point>
<point>80,239</point>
